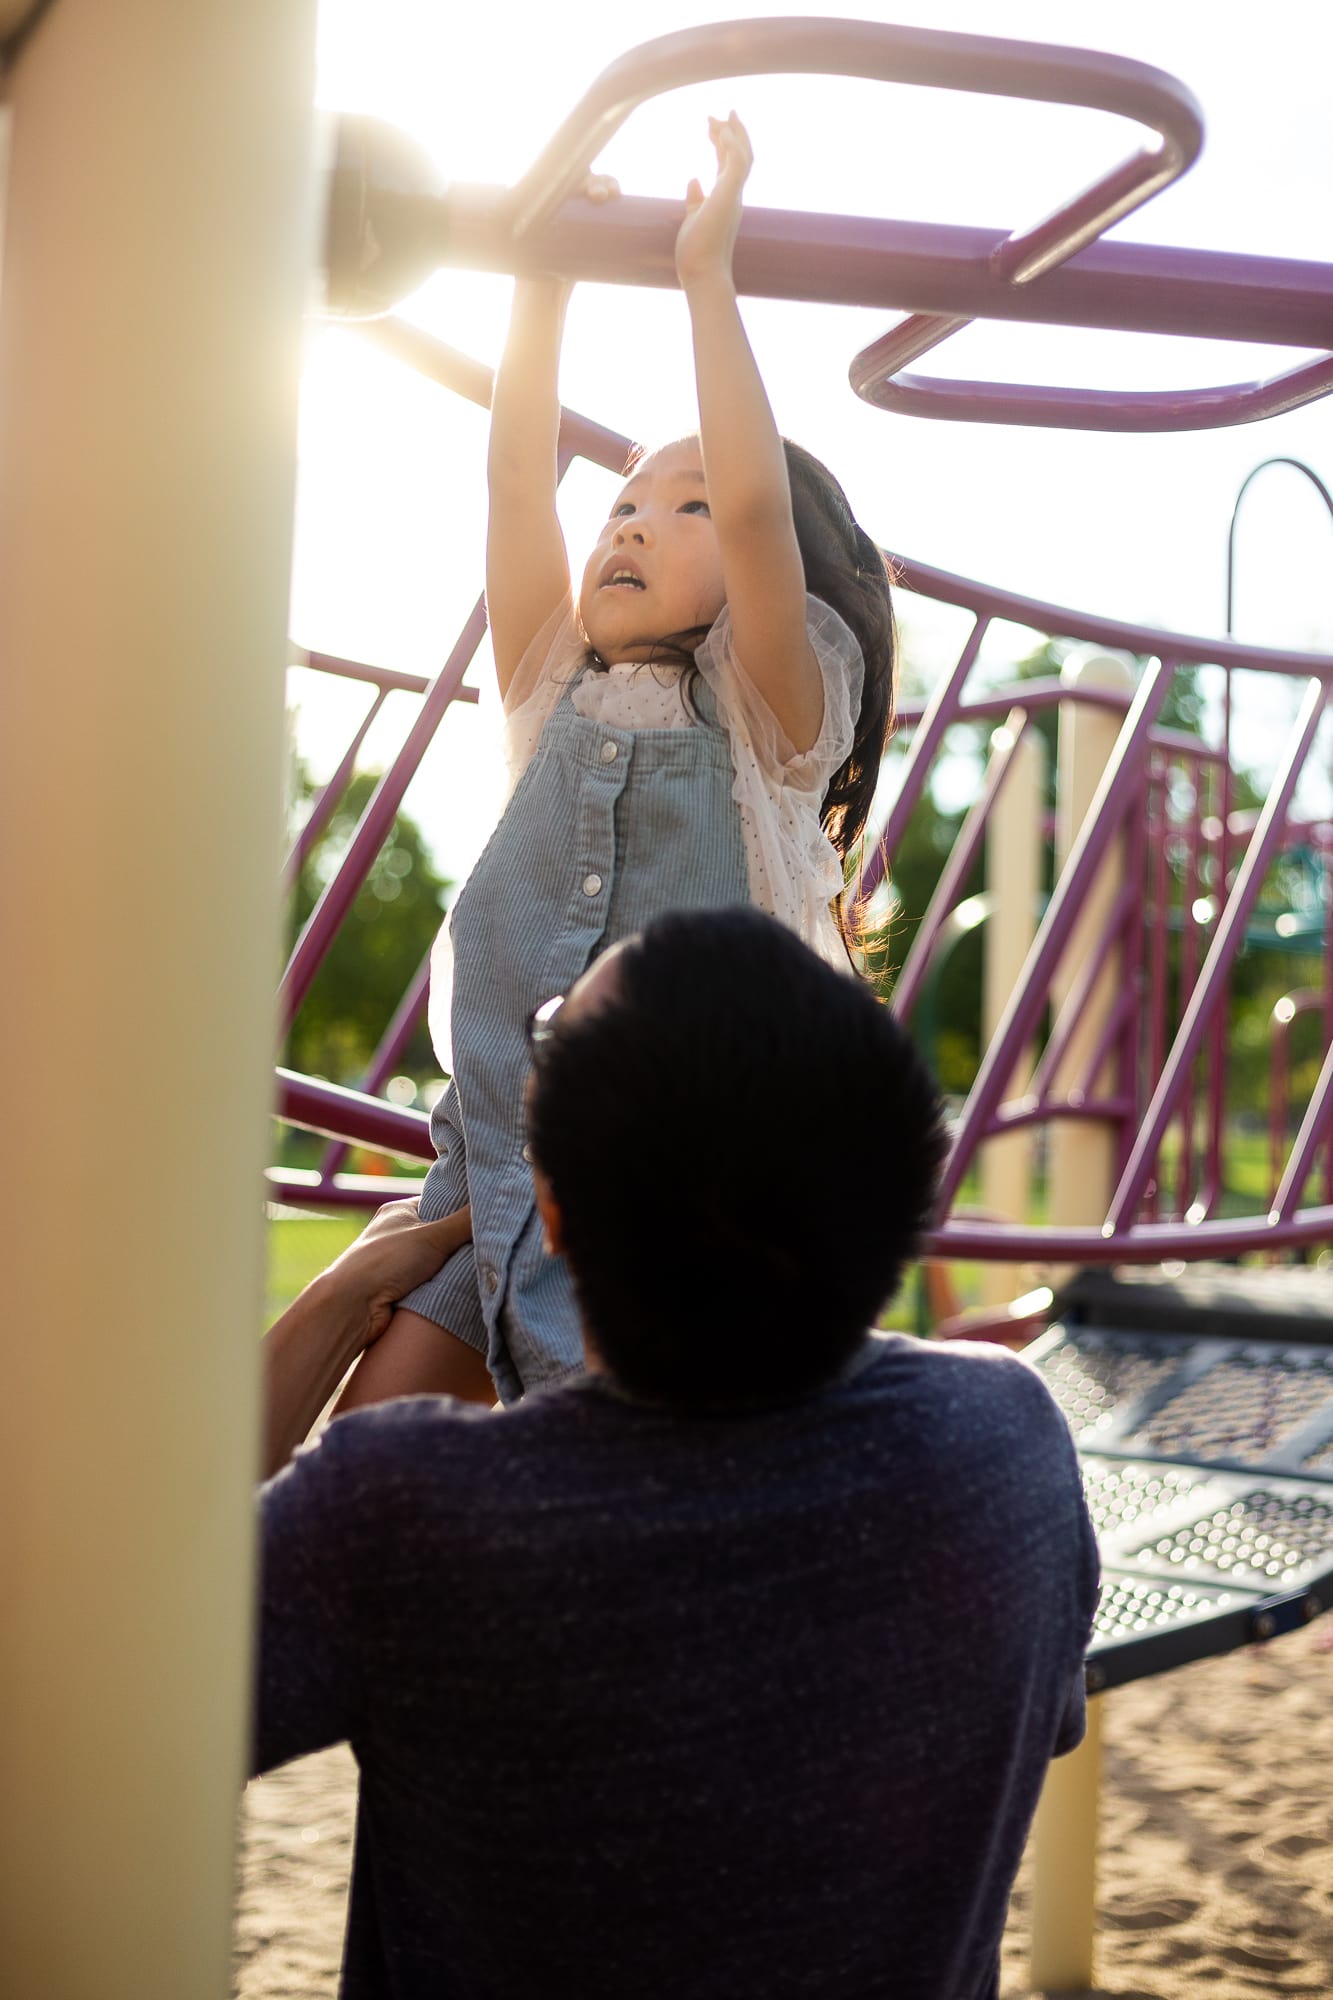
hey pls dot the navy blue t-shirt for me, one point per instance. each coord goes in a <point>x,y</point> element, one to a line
<point>661,1708</point>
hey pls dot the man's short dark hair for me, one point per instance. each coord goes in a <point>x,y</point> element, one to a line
<point>744,1145</point>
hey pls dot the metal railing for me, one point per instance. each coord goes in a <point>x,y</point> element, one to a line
<point>1190,870</point>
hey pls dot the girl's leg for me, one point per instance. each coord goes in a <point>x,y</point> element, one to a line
<point>415,1357</point>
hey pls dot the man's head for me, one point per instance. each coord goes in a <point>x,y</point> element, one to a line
<point>739,1147</point>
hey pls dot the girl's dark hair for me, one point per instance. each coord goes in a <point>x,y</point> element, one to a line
<point>845,568</point>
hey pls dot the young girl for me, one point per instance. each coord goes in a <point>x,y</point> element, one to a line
<point>700,724</point>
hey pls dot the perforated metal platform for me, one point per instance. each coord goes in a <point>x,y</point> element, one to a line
<point>1202,1409</point>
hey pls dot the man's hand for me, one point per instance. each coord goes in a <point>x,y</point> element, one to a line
<point>340,1313</point>
<point>708,234</point>
<point>394,1254</point>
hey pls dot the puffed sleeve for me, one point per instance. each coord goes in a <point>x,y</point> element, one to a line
<point>550,662</point>
<point>795,871</point>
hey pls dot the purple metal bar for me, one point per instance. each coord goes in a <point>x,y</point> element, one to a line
<point>1219,1042</point>
<point>386,678</point>
<point>1049,692</point>
<point>973,63</point>
<point>376,824</point>
<point>1061,622</point>
<point>1214,408</point>
<point>1226,941</point>
<point>911,267</point>
<point>962,858</point>
<point>1071,1013</point>
<point>349,1114</point>
<point>1010,1117</point>
<point>1103,820</point>
<point>406,1019</point>
<point>918,56</point>
<point>940,713</point>
<point>1052,693</point>
<point>326,804</point>
<point>1189,973</point>
<point>452,369</point>
<point>1123,1009</point>
<point>1145,1243</point>
<point>1133,973</point>
<point>1157,936</point>
<point>1327,851</point>
<point>1315,1128</point>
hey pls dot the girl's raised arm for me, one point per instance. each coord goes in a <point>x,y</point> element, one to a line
<point>749,495</point>
<point>527,570</point>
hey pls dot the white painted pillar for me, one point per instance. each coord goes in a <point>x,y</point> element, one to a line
<point>1081,1182</point>
<point>158,231</point>
<point>1013,881</point>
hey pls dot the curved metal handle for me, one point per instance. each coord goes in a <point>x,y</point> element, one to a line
<point>874,380</point>
<point>981,64</point>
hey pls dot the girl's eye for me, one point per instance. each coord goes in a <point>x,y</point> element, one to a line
<point>625,507</point>
<point>695,507</point>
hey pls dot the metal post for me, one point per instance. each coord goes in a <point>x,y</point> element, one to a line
<point>1013,880</point>
<point>159,227</point>
<point>1081,1181</point>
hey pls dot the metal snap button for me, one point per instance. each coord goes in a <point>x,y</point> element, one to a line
<point>609,751</point>
<point>592,885</point>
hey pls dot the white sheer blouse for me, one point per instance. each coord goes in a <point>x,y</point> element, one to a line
<point>795,872</point>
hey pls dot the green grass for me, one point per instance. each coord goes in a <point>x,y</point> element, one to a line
<point>299,1249</point>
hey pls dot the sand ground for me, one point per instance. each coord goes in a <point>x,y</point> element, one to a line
<point>1216,1874</point>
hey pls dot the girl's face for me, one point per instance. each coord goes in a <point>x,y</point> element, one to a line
<point>656,568</point>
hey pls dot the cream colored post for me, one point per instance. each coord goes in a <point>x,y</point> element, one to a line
<point>1064,1875</point>
<point>1013,881</point>
<point>158,231</point>
<point>1082,1150</point>
<point>1081,1181</point>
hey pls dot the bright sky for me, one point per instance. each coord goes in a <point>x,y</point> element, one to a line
<point>391,506</point>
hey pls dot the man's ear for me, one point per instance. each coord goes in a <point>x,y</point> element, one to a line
<point>553,1222</point>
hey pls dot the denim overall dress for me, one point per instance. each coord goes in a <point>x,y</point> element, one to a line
<point>607,829</point>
